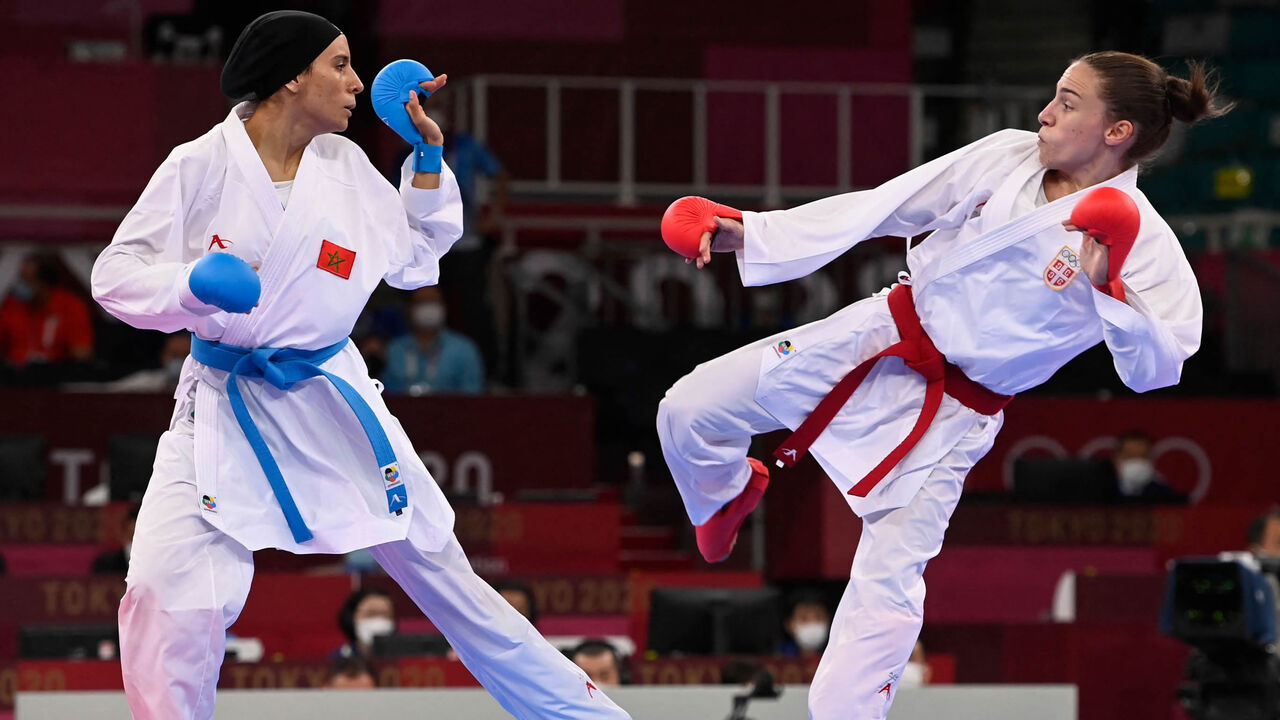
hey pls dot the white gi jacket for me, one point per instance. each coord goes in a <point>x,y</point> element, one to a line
<point>1001,295</point>
<point>213,194</point>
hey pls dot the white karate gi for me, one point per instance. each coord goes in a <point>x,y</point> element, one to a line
<point>984,288</point>
<point>209,505</point>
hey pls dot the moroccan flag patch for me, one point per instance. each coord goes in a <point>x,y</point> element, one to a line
<point>336,259</point>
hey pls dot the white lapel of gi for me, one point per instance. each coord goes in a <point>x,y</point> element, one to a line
<point>281,256</point>
<point>1012,232</point>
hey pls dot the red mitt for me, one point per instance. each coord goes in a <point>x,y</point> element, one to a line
<point>1111,217</point>
<point>687,218</point>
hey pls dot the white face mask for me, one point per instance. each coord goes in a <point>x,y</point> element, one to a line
<point>912,675</point>
<point>427,316</point>
<point>369,628</point>
<point>1134,474</point>
<point>811,635</point>
<point>173,367</point>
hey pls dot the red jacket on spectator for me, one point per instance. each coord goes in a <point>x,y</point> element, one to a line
<point>57,330</point>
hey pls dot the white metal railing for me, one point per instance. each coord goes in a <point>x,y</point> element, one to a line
<point>1244,229</point>
<point>977,110</point>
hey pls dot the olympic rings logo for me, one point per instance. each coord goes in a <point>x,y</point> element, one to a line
<point>1092,448</point>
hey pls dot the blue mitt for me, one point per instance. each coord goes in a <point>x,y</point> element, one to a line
<point>389,93</point>
<point>225,281</point>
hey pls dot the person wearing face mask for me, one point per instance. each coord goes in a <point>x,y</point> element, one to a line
<point>431,358</point>
<point>807,626</point>
<point>1136,474</point>
<point>366,614</point>
<point>474,278</point>
<point>41,322</point>
<point>917,673</point>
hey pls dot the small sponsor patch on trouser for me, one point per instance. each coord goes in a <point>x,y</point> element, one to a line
<point>397,493</point>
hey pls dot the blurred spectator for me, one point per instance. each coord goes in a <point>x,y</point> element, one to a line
<point>116,562</point>
<point>807,626</point>
<point>373,348</point>
<point>521,598</point>
<point>42,322</point>
<point>1264,546</point>
<point>431,357</point>
<point>1135,471</point>
<point>382,319</point>
<point>164,379</point>
<point>366,614</point>
<point>468,268</point>
<point>917,671</point>
<point>351,673</point>
<point>600,661</point>
<point>470,158</point>
<point>1264,534</point>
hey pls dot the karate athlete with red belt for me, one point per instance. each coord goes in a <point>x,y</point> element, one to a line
<point>898,395</point>
<point>265,238</point>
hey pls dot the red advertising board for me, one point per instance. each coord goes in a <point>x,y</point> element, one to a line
<point>1211,449</point>
<point>487,444</point>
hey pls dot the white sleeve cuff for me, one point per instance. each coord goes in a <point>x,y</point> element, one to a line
<point>188,300</point>
<point>421,203</point>
<point>1117,313</point>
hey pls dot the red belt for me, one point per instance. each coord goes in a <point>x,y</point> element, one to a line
<point>918,351</point>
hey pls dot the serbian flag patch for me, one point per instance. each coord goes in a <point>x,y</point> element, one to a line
<point>336,259</point>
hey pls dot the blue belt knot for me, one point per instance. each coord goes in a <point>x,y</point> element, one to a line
<point>283,368</point>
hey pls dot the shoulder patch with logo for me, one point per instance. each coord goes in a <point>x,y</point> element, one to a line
<point>1062,269</point>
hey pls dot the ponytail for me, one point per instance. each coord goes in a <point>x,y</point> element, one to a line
<point>1194,99</point>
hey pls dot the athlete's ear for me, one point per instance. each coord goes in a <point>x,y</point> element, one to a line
<point>1119,132</point>
<point>295,85</point>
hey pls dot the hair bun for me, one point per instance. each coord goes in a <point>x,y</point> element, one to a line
<point>1193,99</point>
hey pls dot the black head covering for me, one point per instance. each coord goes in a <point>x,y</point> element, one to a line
<point>274,49</point>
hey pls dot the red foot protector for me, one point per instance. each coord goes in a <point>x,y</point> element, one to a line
<point>717,536</point>
<point>687,218</point>
<point>1111,217</point>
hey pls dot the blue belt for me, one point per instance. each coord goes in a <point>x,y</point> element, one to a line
<point>283,367</point>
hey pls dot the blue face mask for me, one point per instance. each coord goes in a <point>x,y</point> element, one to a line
<point>23,291</point>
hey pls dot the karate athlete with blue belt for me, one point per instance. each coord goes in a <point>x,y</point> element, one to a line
<point>265,237</point>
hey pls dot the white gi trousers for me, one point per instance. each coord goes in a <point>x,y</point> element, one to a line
<point>188,582</point>
<point>705,424</point>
